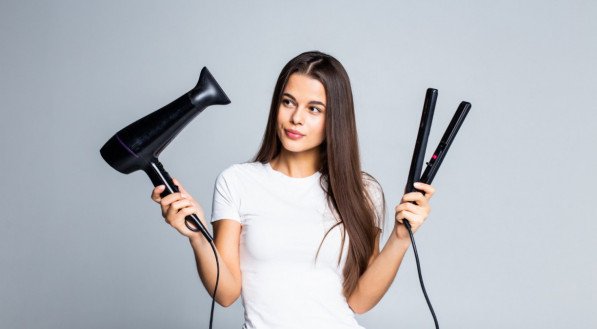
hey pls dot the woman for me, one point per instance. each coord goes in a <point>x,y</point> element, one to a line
<point>298,229</point>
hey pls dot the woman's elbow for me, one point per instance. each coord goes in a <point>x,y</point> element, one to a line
<point>358,309</point>
<point>226,301</point>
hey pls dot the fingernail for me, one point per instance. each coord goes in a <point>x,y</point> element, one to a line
<point>417,184</point>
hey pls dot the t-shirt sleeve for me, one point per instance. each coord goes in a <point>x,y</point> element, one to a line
<point>225,200</point>
<point>377,198</point>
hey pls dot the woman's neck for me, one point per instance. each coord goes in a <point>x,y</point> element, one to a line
<point>303,164</point>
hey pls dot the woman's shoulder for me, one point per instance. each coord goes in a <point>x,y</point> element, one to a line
<point>239,170</point>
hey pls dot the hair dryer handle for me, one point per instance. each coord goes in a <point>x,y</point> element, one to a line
<point>159,176</point>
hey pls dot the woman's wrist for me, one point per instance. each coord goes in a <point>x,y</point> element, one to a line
<point>198,240</point>
<point>400,233</point>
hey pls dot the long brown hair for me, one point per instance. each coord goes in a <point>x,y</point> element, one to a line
<point>341,175</point>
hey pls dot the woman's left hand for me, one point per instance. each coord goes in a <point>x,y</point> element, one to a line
<point>416,212</point>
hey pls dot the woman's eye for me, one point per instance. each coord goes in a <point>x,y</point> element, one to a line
<point>287,102</point>
<point>315,109</point>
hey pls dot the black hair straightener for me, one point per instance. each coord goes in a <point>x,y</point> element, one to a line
<point>416,165</point>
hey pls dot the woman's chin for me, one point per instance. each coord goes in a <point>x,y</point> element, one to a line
<point>289,147</point>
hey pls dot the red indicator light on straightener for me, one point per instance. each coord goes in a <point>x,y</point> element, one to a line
<point>434,157</point>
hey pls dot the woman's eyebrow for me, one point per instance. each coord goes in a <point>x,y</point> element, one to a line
<point>311,102</point>
<point>317,102</point>
<point>289,96</point>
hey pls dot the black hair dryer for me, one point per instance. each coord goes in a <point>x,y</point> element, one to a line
<point>139,144</point>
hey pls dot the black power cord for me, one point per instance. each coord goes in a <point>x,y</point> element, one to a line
<point>213,297</point>
<point>412,239</point>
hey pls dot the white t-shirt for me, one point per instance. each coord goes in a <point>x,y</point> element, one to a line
<point>284,220</point>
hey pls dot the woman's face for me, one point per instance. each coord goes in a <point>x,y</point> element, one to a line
<point>301,114</point>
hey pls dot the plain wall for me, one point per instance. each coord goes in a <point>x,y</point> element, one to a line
<point>510,240</point>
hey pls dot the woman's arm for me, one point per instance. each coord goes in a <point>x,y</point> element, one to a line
<point>226,240</point>
<point>383,266</point>
<point>175,207</point>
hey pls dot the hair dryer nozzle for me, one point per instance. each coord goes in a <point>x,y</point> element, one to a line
<point>208,89</point>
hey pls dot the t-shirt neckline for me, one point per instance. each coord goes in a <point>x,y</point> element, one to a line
<point>269,168</point>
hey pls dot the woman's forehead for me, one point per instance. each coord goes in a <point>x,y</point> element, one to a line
<point>303,87</point>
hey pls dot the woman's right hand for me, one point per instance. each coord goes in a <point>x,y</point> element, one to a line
<point>176,206</point>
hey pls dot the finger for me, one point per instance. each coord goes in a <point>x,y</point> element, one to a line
<point>170,198</point>
<point>182,214</point>
<point>182,203</point>
<point>174,213</point>
<point>399,217</point>
<point>427,189</point>
<point>405,214</point>
<point>404,206</point>
<point>411,207</point>
<point>187,211</point>
<point>155,193</point>
<point>168,212</point>
<point>414,219</point>
<point>422,202</point>
<point>417,197</point>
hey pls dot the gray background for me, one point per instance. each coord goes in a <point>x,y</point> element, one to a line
<point>509,243</point>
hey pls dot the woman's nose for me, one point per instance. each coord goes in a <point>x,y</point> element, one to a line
<point>297,116</point>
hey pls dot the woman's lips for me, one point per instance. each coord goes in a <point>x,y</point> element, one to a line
<point>293,134</point>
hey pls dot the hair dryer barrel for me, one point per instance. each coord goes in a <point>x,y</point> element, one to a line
<point>141,142</point>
